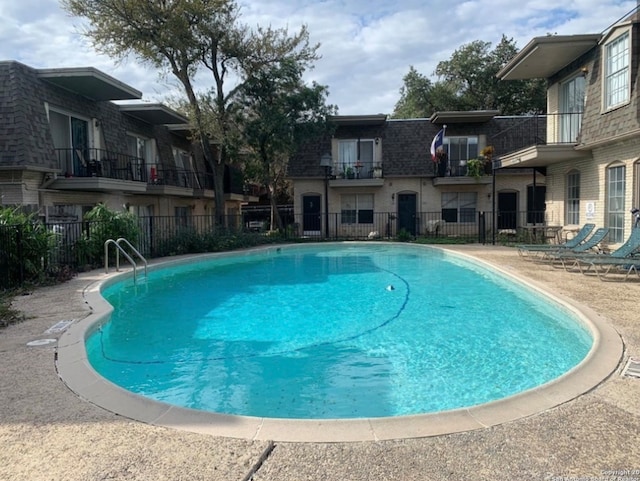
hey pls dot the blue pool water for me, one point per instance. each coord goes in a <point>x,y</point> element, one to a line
<point>332,331</point>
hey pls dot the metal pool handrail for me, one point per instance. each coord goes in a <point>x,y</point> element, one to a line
<point>124,253</point>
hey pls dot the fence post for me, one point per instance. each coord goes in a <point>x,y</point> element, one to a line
<point>20,253</point>
<point>482,228</point>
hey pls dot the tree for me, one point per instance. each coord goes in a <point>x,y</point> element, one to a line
<point>184,37</point>
<point>278,112</point>
<point>467,81</point>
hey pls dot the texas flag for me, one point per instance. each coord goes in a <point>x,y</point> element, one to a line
<point>436,144</point>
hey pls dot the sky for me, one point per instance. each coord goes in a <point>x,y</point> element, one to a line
<point>366,46</point>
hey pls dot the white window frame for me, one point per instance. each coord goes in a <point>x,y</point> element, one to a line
<point>465,205</point>
<point>572,95</point>
<point>616,82</point>
<point>145,149</point>
<point>616,212</point>
<point>572,195</point>
<point>470,151</point>
<point>357,208</point>
<point>76,158</point>
<point>350,156</point>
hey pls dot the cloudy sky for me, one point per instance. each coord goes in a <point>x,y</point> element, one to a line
<point>367,46</point>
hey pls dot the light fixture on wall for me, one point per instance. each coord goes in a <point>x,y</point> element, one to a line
<point>377,140</point>
<point>393,196</point>
<point>584,71</point>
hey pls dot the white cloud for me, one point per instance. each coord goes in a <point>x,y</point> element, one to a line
<point>366,46</point>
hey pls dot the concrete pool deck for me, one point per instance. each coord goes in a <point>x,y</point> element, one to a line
<point>48,432</point>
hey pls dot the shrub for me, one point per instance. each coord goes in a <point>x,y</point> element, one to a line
<point>27,243</point>
<point>104,224</point>
<point>404,236</point>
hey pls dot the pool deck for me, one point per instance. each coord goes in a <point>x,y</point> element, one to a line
<point>48,432</point>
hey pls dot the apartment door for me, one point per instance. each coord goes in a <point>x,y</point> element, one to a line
<point>536,204</point>
<point>311,210</point>
<point>407,213</point>
<point>507,210</point>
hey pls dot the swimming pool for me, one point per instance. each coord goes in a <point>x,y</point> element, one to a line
<point>333,331</point>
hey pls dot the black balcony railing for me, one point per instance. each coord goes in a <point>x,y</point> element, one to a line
<point>114,165</point>
<point>357,170</point>
<point>101,163</point>
<point>544,129</point>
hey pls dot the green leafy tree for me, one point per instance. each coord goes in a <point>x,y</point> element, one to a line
<point>278,112</point>
<point>184,37</point>
<point>467,81</point>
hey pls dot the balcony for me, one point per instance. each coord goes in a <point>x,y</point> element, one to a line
<point>539,141</point>
<point>104,171</point>
<point>99,170</point>
<point>455,172</point>
<point>364,174</point>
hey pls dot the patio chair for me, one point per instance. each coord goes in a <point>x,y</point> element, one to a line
<point>624,259</point>
<point>587,247</point>
<point>534,250</point>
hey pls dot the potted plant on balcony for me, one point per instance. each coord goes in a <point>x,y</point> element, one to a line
<point>482,164</point>
<point>487,155</point>
<point>377,171</point>
<point>349,173</point>
<point>475,167</point>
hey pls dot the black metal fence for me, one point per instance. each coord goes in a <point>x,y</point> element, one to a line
<point>76,246</point>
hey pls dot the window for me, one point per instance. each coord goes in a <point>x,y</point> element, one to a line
<point>182,215</point>
<point>356,158</point>
<point>183,167</point>
<point>71,140</point>
<point>142,150</point>
<point>356,209</point>
<point>459,206</point>
<point>572,215</point>
<point>616,71</point>
<point>572,105</point>
<point>615,203</point>
<point>459,150</point>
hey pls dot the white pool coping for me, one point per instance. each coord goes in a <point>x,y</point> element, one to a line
<point>76,372</point>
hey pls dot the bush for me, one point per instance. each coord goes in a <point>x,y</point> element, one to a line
<point>26,245</point>
<point>104,224</point>
<point>404,236</point>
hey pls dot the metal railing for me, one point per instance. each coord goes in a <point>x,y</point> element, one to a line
<point>543,129</point>
<point>120,249</point>
<point>357,170</point>
<point>86,162</point>
<point>65,249</point>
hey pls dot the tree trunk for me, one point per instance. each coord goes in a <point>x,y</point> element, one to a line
<point>276,220</point>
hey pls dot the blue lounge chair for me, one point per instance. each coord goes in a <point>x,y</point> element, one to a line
<point>534,250</point>
<point>587,247</point>
<point>623,259</point>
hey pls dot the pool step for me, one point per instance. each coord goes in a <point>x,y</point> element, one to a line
<point>632,369</point>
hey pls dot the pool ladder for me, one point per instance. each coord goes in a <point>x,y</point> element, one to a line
<point>119,249</point>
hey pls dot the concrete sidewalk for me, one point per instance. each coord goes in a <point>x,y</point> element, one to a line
<point>48,433</point>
